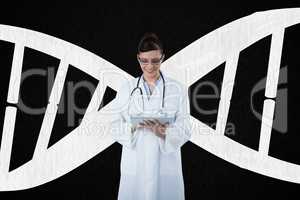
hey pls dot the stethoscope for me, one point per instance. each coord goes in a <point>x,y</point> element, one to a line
<point>141,93</point>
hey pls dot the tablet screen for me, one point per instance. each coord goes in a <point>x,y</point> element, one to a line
<point>136,119</point>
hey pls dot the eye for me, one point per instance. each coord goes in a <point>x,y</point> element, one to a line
<point>155,61</point>
<point>144,60</point>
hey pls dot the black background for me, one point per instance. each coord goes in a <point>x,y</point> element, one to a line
<point>112,30</point>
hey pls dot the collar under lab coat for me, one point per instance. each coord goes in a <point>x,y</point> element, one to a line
<point>152,103</point>
<point>146,85</point>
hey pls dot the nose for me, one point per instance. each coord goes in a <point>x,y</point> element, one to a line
<point>150,66</point>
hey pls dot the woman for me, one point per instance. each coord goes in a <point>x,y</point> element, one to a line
<point>151,156</point>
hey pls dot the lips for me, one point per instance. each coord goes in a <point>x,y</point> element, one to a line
<point>150,72</point>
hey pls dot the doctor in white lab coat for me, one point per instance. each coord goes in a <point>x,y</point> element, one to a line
<point>151,154</point>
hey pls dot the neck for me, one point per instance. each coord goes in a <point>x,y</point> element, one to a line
<point>152,79</point>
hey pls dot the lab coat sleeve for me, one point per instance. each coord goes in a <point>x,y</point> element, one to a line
<point>180,131</point>
<point>120,125</point>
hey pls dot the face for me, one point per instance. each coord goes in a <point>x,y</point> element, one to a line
<point>150,62</point>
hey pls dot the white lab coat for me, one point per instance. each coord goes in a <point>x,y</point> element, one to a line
<point>151,166</point>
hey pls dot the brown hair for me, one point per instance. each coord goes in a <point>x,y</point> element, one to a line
<point>150,41</point>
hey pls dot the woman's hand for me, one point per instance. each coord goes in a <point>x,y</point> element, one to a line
<point>138,126</point>
<point>156,127</point>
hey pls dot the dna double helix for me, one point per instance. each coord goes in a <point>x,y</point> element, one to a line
<point>187,66</point>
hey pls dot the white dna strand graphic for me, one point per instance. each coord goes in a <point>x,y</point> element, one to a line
<point>187,66</point>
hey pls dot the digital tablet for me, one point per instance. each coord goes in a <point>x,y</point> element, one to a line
<point>136,119</point>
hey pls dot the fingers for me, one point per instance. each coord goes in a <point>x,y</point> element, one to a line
<point>145,124</point>
<point>161,124</point>
<point>154,125</point>
<point>157,122</point>
<point>141,124</point>
<point>151,122</point>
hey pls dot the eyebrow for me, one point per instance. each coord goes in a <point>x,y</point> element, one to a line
<point>149,59</point>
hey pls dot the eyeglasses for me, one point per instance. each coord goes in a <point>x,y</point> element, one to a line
<point>154,61</point>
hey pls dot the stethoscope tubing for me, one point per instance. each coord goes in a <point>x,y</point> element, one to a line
<point>141,92</point>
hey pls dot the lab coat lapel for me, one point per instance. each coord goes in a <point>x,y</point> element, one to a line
<point>154,102</point>
<point>145,97</point>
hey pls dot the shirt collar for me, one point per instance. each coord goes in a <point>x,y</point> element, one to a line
<point>156,82</point>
